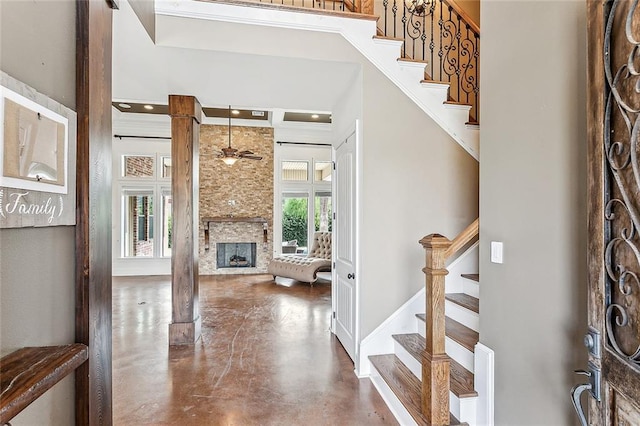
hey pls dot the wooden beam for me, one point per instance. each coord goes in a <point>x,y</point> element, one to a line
<point>186,113</point>
<point>93,210</point>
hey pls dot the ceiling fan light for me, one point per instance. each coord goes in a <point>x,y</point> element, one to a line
<point>229,161</point>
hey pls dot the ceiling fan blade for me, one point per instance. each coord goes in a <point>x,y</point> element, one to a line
<point>245,152</point>
<point>250,157</point>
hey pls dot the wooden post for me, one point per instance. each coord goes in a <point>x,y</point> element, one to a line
<point>435,362</point>
<point>93,400</point>
<point>364,6</point>
<point>186,113</point>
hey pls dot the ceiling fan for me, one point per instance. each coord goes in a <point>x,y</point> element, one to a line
<point>230,155</point>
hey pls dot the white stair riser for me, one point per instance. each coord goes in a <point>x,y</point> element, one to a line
<point>395,406</point>
<point>455,350</point>
<point>413,70</point>
<point>463,315</point>
<point>472,288</point>
<point>389,48</point>
<point>461,354</point>
<point>462,408</point>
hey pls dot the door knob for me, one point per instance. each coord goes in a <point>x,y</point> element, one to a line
<point>351,276</point>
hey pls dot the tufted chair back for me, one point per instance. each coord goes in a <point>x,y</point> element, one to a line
<point>321,247</point>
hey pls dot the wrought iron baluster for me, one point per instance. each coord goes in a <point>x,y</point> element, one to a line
<point>432,44</point>
<point>395,12</point>
<point>440,52</point>
<point>385,3</point>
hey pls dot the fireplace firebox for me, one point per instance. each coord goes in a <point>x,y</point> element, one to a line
<point>236,255</point>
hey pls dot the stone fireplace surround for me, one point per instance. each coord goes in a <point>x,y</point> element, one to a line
<point>238,231</point>
<point>241,191</point>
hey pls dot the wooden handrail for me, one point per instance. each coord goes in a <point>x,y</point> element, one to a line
<point>464,15</point>
<point>463,238</point>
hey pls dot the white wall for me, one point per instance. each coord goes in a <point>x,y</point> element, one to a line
<point>37,265</point>
<point>532,192</point>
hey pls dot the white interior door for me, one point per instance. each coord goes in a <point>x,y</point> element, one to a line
<point>344,276</point>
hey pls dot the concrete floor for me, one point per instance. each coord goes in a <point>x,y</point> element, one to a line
<point>266,357</point>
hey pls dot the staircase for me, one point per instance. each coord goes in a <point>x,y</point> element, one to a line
<point>386,53</point>
<point>437,373</point>
<point>398,376</point>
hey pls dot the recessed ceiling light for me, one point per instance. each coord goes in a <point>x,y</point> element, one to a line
<point>235,112</point>
<point>123,105</point>
<point>148,107</point>
<point>314,116</point>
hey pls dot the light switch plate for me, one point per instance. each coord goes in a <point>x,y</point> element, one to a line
<point>496,251</point>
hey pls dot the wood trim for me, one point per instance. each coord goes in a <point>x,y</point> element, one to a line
<point>283,7</point>
<point>364,6</point>
<point>435,362</point>
<point>186,115</point>
<point>464,238</point>
<point>465,16</point>
<point>595,184</point>
<point>206,220</point>
<point>29,372</point>
<point>93,210</point>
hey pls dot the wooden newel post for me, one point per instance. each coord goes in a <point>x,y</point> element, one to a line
<point>435,362</point>
<point>364,6</point>
<point>186,114</point>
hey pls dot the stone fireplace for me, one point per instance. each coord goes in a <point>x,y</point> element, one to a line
<point>236,202</point>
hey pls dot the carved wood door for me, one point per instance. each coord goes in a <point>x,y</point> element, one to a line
<point>614,212</point>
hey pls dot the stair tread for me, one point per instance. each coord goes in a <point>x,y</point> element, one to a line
<point>458,332</point>
<point>457,103</point>
<point>464,300</point>
<point>382,37</point>
<point>461,378</point>
<point>474,277</point>
<point>427,80</point>
<point>404,385</point>
<point>405,59</point>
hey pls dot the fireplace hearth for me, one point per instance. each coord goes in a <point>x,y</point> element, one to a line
<point>236,255</point>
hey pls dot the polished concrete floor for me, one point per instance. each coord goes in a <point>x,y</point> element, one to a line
<point>266,357</point>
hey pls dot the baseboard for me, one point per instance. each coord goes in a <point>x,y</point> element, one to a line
<point>484,384</point>
<point>379,341</point>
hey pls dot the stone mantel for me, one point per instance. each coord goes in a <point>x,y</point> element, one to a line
<point>233,219</point>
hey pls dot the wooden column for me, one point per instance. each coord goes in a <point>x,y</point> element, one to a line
<point>435,362</point>
<point>93,211</point>
<point>186,115</point>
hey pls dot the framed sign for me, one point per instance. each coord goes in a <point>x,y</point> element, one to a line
<point>37,158</point>
<point>34,145</point>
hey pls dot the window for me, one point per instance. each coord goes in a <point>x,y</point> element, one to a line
<point>166,166</point>
<point>323,211</point>
<point>137,224</point>
<point>296,171</point>
<point>138,166</point>
<point>167,223</point>
<point>295,219</point>
<point>322,171</point>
